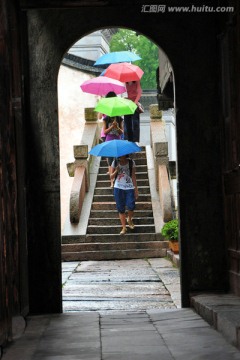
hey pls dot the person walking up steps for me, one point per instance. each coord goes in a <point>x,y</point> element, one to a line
<point>125,189</point>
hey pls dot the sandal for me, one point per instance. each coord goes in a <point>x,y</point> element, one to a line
<point>130,223</point>
<point>123,231</point>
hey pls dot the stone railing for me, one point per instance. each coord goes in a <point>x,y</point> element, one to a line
<point>161,161</point>
<point>79,169</point>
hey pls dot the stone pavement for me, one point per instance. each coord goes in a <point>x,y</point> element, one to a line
<point>178,334</point>
<point>120,310</point>
<point>120,285</point>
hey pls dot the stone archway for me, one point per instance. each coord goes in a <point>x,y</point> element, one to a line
<point>50,33</point>
<point>76,67</point>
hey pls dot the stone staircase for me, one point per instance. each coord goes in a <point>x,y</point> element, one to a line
<point>103,241</point>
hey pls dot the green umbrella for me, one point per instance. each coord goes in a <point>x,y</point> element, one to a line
<point>115,106</point>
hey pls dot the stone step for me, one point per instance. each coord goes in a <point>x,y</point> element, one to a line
<point>109,238</point>
<point>115,221</point>
<point>139,168</point>
<point>137,155</point>
<point>114,254</point>
<point>115,229</point>
<point>128,237</point>
<point>112,206</point>
<point>139,175</point>
<point>113,246</point>
<point>108,190</point>
<point>106,183</point>
<point>109,197</point>
<point>114,214</point>
<point>103,240</point>
<point>138,162</point>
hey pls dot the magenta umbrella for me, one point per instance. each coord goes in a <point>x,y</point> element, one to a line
<point>102,85</point>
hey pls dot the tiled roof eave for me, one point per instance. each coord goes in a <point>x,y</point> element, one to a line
<point>85,68</point>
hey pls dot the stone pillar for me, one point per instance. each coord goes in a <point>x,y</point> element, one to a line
<point>90,114</point>
<point>81,156</point>
<point>155,113</point>
<point>158,140</point>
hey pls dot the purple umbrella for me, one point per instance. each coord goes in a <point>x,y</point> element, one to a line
<point>102,85</point>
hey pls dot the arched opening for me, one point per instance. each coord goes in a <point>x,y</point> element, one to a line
<point>72,102</point>
<point>198,145</point>
<point>42,33</point>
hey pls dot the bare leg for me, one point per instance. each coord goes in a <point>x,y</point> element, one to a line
<point>130,214</point>
<point>122,218</point>
<point>129,219</point>
<point>111,180</point>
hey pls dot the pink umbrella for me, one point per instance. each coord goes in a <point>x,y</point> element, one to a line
<point>124,72</point>
<point>102,85</point>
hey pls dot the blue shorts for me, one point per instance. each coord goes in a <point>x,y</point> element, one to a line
<point>124,198</point>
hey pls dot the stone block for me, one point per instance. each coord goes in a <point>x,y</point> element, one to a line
<point>71,169</point>
<point>158,132</point>
<point>160,149</point>
<point>90,114</point>
<point>155,113</point>
<point>80,151</point>
<point>72,166</point>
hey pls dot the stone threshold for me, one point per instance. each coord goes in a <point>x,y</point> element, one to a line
<point>174,258</point>
<point>222,312</point>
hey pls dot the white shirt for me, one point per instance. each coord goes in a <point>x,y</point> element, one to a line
<point>123,180</point>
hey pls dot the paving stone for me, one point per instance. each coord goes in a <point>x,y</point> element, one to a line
<point>148,335</point>
<point>69,266</point>
<point>115,290</point>
<point>120,285</point>
<point>121,305</point>
<point>131,337</point>
<point>125,320</point>
<point>65,276</point>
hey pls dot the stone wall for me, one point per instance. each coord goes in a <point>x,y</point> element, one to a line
<point>198,131</point>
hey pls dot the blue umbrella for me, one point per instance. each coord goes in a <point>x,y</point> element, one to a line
<point>115,148</point>
<point>117,57</point>
<point>103,72</point>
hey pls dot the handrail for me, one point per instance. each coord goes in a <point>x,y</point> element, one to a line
<point>77,195</point>
<point>79,169</point>
<point>161,161</point>
<point>165,193</point>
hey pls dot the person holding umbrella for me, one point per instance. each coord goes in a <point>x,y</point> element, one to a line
<point>102,116</point>
<point>131,75</point>
<point>114,107</point>
<point>132,122</point>
<point>125,189</point>
<point>113,129</point>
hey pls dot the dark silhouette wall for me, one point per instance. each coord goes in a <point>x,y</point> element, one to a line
<point>34,38</point>
<point>184,39</point>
